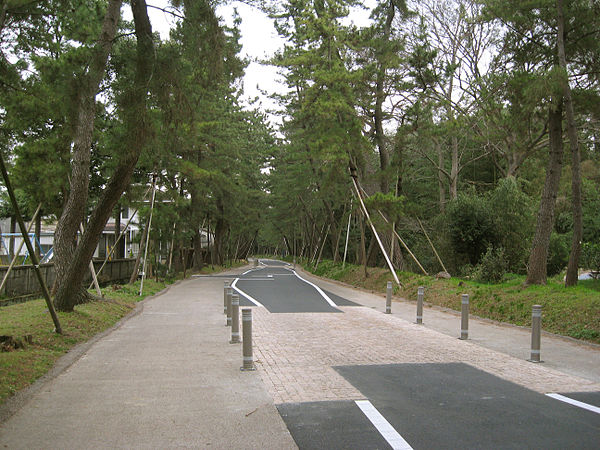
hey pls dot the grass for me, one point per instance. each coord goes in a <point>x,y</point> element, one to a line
<point>573,312</point>
<point>21,367</point>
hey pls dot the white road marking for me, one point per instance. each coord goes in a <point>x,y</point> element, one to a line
<point>583,405</point>
<point>388,432</point>
<point>319,290</point>
<point>256,302</point>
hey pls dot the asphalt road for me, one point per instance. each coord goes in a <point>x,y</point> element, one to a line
<point>280,289</point>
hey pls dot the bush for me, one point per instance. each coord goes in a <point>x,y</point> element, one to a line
<point>514,219</point>
<point>492,267</point>
<point>590,256</point>
<point>558,253</point>
<point>471,226</point>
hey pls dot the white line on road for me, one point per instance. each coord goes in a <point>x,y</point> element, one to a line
<point>562,398</point>
<point>256,302</point>
<point>388,432</point>
<point>319,290</point>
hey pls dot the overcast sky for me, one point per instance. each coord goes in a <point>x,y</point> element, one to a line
<point>259,39</point>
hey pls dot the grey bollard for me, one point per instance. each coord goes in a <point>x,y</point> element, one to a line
<point>420,295</point>
<point>255,262</point>
<point>464,317</point>
<point>235,319</point>
<point>294,264</point>
<point>388,298</point>
<point>225,289</point>
<point>248,359</point>
<point>228,305</point>
<point>536,332</point>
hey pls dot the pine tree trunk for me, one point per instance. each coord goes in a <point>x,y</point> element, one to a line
<point>73,214</point>
<point>441,178</point>
<point>536,270</point>
<point>70,291</point>
<point>573,266</point>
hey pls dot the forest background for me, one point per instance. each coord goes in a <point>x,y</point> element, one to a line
<point>470,127</point>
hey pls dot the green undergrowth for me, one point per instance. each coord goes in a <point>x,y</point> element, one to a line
<point>31,321</point>
<point>573,311</point>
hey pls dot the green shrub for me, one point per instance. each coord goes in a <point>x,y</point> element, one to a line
<point>514,220</point>
<point>471,226</point>
<point>590,256</point>
<point>558,253</point>
<point>492,267</point>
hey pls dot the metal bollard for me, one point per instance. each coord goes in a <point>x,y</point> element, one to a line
<point>294,264</point>
<point>225,289</point>
<point>248,360</point>
<point>464,317</point>
<point>536,332</point>
<point>420,294</point>
<point>228,305</point>
<point>388,298</point>
<point>235,319</point>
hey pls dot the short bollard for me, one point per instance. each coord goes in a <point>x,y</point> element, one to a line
<point>388,298</point>
<point>225,289</point>
<point>235,319</point>
<point>228,305</point>
<point>255,262</point>
<point>248,359</point>
<point>464,317</point>
<point>536,332</point>
<point>420,294</point>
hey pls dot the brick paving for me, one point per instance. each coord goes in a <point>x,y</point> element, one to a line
<point>295,354</point>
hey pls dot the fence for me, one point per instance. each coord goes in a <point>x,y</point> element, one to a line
<point>22,280</point>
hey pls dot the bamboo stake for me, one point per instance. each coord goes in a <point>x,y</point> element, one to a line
<point>14,260</point>
<point>34,259</point>
<point>387,259</point>
<point>432,247</point>
<point>148,234</point>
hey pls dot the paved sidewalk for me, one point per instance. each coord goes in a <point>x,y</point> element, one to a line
<point>566,355</point>
<point>167,378</point>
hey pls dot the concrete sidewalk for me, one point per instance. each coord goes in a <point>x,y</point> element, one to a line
<point>166,378</point>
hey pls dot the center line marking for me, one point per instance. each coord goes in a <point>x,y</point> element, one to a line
<point>583,405</point>
<point>388,432</point>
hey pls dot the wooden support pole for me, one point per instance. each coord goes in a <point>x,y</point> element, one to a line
<point>148,234</point>
<point>347,235</point>
<point>432,247</point>
<point>364,208</point>
<point>114,246</point>
<point>14,260</point>
<point>92,270</point>
<point>34,259</point>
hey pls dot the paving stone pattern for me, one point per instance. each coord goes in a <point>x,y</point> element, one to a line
<point>294,354</point>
